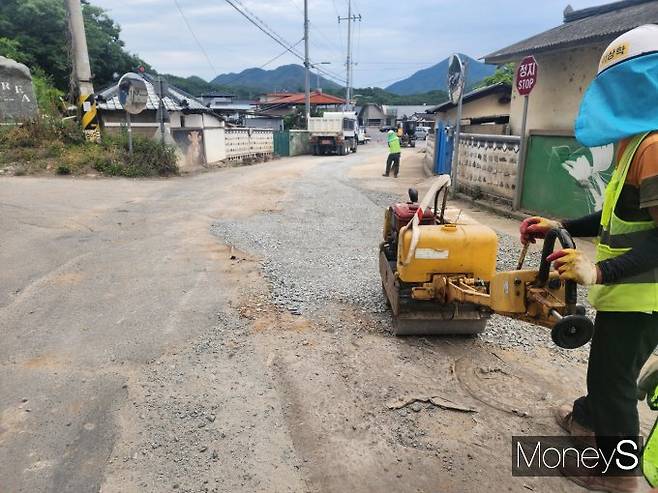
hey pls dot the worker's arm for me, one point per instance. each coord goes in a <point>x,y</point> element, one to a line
<point>640,259</point>
<point>584,226</point>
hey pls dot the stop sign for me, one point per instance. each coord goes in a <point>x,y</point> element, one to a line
<point>526,75</point>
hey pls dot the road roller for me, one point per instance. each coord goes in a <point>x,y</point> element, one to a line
<point>439,276</point>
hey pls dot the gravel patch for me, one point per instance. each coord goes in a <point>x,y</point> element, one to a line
<point>322,249</point>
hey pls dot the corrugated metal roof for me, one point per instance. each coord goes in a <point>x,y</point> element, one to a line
<point>499,88</point>
<point>581,27</point>
<point>175,100</point>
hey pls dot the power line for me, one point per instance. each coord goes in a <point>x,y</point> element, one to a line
<point>189,27</point>
<point>241,76</point>
<point>262,26</point>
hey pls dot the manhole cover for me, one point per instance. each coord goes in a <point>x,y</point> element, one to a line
<point>509,387</point>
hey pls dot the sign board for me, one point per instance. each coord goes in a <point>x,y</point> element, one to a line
<point>455,78</point>
<point>526,75</point>
<point>133,93</point>
<point>17,99</point>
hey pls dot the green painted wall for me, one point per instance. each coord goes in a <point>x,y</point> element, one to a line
<point>564,179</point>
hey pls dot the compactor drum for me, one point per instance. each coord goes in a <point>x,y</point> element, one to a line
<point>439,277</point>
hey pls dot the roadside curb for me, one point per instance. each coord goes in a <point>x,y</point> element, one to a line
<point>491,207</point>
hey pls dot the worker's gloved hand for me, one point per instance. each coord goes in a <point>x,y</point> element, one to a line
<point>573,265</point>
<point>536,227</point>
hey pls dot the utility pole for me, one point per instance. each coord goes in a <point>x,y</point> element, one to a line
<point>307,63</point>
<point>348,72</point>
<point>81,74</point>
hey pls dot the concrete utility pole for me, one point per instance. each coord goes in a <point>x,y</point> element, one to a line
<point>81,74</point>
<point>348,72</point>
<point>307,63</point>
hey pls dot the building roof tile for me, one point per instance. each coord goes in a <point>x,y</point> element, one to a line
<point>580,27</point>
<point>175,100</point>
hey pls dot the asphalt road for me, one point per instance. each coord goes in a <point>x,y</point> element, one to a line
<point>204,334</point>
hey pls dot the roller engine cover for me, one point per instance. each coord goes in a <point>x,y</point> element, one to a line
<point>403,212</point>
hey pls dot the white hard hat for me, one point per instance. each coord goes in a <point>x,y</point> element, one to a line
<point>391,132</point>
<point>632,44</point>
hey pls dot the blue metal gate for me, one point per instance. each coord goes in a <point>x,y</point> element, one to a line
<point>443,149</point>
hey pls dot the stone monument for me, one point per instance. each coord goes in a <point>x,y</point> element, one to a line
<point>17,99</point>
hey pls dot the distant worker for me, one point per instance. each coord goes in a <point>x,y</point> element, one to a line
<point>393,154</point>
<point>618,107</point>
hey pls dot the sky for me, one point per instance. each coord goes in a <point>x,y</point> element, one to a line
<point>393,39</point>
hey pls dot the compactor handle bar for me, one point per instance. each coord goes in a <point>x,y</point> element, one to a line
<point>571,294</point>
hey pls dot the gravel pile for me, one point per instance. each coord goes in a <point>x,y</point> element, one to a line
<point>323,249</point>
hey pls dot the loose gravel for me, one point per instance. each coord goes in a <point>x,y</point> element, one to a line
<point>322,250</point>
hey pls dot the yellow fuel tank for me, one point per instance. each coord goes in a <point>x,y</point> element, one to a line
<point>449,249</point>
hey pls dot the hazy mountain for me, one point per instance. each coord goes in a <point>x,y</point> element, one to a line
<point>435,77</point>
<point>285,78</point>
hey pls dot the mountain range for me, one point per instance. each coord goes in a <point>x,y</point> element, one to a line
<point>436,77</point>
<point>286,78</point>
<point>290,78</point>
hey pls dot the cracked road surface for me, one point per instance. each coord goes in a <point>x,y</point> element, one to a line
<point>226,332</point>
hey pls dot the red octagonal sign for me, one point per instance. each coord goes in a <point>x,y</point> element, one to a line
<point>526,75</point>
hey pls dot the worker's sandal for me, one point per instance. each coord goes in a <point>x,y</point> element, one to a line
<point>581,434</point>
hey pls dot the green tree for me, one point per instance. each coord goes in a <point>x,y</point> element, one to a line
<point>11,48</point>
<point>504,73</point>
<point>106,49</point>
<point>36,31</point>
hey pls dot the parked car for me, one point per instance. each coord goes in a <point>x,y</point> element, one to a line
<point>422,133</point>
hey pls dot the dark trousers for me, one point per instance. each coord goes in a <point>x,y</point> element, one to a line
<point>394,161</point>
<point>621,345</point>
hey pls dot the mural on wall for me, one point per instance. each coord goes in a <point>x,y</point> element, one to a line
<point>564,179</point>
<point>586,167</point>
<point>190,142</point>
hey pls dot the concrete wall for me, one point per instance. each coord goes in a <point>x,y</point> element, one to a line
<point>487,129</point>
<point>248,143</point>
<point>214,140</point>
<point>563,79</point>
<point>299,143</point>
<point>488,165</point>
<point>487,106</point>
<point>429,153</point>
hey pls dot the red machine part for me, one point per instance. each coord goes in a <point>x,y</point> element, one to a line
<point>404,212</point>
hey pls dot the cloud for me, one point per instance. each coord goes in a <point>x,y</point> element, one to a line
<point>391,42</point>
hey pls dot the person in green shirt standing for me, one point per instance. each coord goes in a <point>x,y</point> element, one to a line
<point>393,161</point>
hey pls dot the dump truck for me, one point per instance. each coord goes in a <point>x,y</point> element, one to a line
<point>334,133</point>
<point>439,276</point>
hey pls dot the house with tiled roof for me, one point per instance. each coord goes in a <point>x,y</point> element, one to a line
<point>280,104</point>
<point>568,57</point>
<point>182,110</point>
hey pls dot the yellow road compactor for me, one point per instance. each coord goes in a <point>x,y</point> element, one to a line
<point>439,277</point>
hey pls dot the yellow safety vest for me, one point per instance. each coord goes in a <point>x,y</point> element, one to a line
<point>637,293</point>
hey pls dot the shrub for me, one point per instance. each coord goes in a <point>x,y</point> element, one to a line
<point>149,158</point>
<point>63,169</point>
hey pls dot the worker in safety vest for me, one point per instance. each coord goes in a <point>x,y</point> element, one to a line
<point>393,154</point>
<point>620,106</point>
